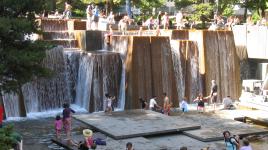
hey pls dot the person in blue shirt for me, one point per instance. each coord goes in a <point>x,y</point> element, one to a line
<point>231,143</point>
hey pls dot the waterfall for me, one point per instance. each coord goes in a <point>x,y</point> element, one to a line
<point>11,105</point>
<point>178,70</point>
<point>122,92</point>
<point>71,59</point>
<point>186,66</point>
<point>122,49</point>
<point>44,93</point>
<point>84,81</point>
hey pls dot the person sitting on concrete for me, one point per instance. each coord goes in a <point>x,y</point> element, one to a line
<point>153,105</point>
<point>88,142</point>
<point>183,148</point>
<point>246,145</point>
<point>129,146</point>
<point>228,103</point>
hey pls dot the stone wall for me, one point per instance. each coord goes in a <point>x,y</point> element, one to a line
<point>152,69</point>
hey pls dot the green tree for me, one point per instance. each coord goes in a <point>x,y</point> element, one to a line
<point>8,138</point>
<point>202,13</point>
<point>184,3</point>
<point>225,5</point>
<point>20,58</point>
<point>256,5</point>
<point>148,5</point>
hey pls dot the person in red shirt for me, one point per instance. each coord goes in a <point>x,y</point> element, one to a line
<point>1,115</point>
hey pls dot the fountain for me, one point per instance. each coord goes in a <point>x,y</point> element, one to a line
<point>179,63</point>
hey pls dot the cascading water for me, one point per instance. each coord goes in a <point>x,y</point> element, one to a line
<point>178,70</point>
<point>80,78</point>
<point>11,105</point>
<point>186,66</point>
<point>72,60</point>
<point>43,94</point>
<point>84,81</point>
<point>122,50</point>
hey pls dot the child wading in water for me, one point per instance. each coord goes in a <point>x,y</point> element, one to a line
<point>184,105</point>
<point>58,126</point>
<point>67,120</point>
<point>200,103</point>
<point>109,103</point>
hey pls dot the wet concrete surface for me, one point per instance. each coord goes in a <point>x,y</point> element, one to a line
<point>38,133</point>
<point>212,127</point>
<point>135,123</point>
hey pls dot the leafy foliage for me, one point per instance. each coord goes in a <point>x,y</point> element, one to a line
<point>8,138</point>
<point>184,3</point>
<point>228,11</point>
<point>202,11</point>
<point>20,58</point>
<point>148,5</point>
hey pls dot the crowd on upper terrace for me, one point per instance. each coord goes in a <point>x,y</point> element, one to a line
<point>161,20</point>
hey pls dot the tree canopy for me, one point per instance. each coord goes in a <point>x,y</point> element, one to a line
<point>20,58</point>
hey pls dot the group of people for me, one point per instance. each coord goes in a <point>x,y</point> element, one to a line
<point>167,104</point>
<point>161,20</point>
<point>65,122</point>
<point>92,12</point>
<point>200,100</point>
<point>232,142</point>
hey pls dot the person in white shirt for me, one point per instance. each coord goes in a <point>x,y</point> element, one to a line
<point>228,103</point>
<point>110,18</point>
<point>89,16</point>
<point>153,105</point>
<point>179,20</point>
<point>246,145</point>
<point>109,102</point>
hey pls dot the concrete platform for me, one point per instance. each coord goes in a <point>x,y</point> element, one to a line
<point>213,127</point>
<point>135,123</point>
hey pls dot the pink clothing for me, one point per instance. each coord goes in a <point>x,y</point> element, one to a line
<point>58,124</point>
<point>67,124</point>
<point>89,142</point>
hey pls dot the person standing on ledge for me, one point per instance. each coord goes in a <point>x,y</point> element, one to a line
<point>89,16</point>
<point>67,14</point>
<point>96,17</point>
<point>159,18</point>
<point>213,93</point>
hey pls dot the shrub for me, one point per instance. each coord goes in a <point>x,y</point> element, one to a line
<point>8,138</point>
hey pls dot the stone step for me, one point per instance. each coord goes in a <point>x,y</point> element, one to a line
<point>58,35</point>
<point>54,25</point>
<point>66,43</point>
